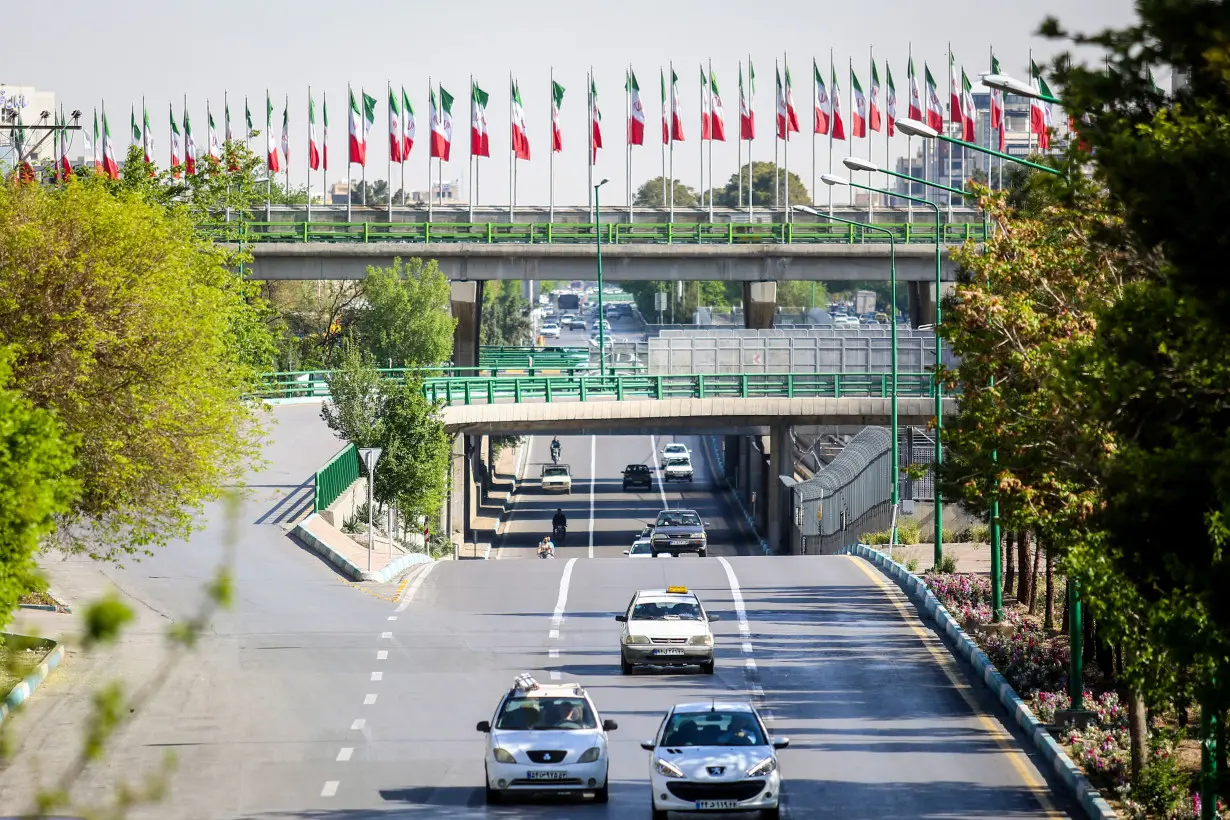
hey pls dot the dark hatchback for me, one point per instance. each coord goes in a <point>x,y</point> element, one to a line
<point>638,475</point>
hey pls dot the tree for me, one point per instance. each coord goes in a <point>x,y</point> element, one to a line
<point>504,317</point>
<point>134,330</point>
<point>649,195</point>
<point>36,461</point>
<point>408,319</point>
<point>313,320</point>
<point>762,179</point>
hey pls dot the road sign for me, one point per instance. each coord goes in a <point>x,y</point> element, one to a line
<point>370,456</point>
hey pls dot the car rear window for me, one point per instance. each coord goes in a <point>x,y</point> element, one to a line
<point>637,468</point>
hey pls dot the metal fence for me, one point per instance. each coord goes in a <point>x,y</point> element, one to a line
<point>849,497</point>
<point>338,473</point>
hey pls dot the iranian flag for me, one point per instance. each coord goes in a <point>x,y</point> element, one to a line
<point>92,146</point>
<point>676,117</point>
<point>968,114</point>
<point>792,118</point>
<point>247,120</point>
<point>176,162</point>
<point>407,125</point>
<point>189,146</point>
<point>873,99</point>
<point>666,129</point>
<point>1039,111</point>
<point>839,126</point>
<point>132,126</point>
<point>915,112</point>
<point>394,128</point>
<point>717,117</point>
<point>859,123</point>
<point>66,167</point>
<point>935,108</point>
<point>215,147</point>
<point>226,120</point>
<point>997,99</point>
<point>636,119</point>
<point>359,123</point>
<point>782,116</point>
<point>557,102</point>
<point>271,145</point>
<point>313,145</point>
<point>286,134</point>
<point>706,127</point>
<point>955,114</point>
<point>441,124</point>
<point>324,131</point>
<point>890,101</point>
<point>147,135</point>
<point>520,137</point>
<point>595,118</point>
<point>822,104</point>
<point>480,142</point>
<point>109,165</point>
<point>747,116</point>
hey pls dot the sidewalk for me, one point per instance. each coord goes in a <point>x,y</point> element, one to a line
<point>493,508</point>
<point>970,557</point>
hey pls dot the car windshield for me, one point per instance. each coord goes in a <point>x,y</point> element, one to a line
<point>555,471</point>
<point>667,611</point>
<point>544,714</point>
<point>675,448</point>
<point>678,520</point>
<point>641,549</point>
<point>715,728</point>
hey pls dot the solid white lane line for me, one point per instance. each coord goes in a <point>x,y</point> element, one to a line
<point>377,676</point>
<point>413,588</point>
<point>736,595</point>
<point>358,724</point>
<point>562,601</point>
<point>593,477</point>
<point>368,700</point>
<point>386,634</point>
<point>653,454</point>
<point>330,788</point>
<point>344,754</point>
<point>382,655</point>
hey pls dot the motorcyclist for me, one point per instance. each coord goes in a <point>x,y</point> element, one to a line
<point>555,448</point>
<point>545,548</point>
<point>559,521</point>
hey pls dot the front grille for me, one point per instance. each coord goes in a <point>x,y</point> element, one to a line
<point>547,755</point>
<point>675,641</point>
<point>738,790</point>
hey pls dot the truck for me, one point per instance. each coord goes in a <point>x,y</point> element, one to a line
<point>569,303</point>
<point>556,478</point>
<point>864,302</point>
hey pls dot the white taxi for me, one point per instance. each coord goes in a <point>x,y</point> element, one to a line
<point>714,756</point>
<point>546,739</point>
<point>666,627</point>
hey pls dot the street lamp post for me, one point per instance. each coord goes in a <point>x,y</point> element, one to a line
<point>601,311</point>
<point>892,278</point>
<point>856,164</point>
<point>370,456</point>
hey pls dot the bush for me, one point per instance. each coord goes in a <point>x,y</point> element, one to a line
<point>875,538</point>
<point>1029,660</point>
<point>947,565</point>
<point>978,534</point>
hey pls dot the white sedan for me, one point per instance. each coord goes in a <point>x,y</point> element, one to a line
<point>714,756</point>
<point>676,450</point>
<point>642,547</point>
<point>546,739</point>
<point>550,331</point>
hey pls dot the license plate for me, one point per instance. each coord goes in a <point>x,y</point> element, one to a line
<point>717,804</point>
<point>668,652</point>
<point>679,542</point>
<point>553,774</point>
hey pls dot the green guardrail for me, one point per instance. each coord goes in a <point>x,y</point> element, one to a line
<point>533,233</point>
<point>338,473</point>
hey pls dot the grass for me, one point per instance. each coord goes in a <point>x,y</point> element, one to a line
<point>19,655</point>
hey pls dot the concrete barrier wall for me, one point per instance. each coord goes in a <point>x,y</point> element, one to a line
<point>344,507</point>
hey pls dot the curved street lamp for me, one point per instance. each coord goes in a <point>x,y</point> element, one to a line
<point>601,311</point>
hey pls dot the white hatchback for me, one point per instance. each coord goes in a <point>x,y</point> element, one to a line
<point>714,756</point>
<point>546,739</point>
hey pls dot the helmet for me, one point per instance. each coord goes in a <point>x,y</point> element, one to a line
<point>559,509</point>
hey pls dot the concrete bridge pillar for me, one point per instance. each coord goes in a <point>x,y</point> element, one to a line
<point>781,462</point>
<point>759,304</point>
<point>921,299</point>
<point>466,302</point>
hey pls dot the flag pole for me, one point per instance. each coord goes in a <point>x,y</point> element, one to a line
<point>739,141</point>
<point>324,147</point>
<point>472,182</point>
<point>814,115</point>
<point>671,134</point>
<point>871,142</point>
<point>751,113</point>
<point>777,180</point>
<point>388,188</point>
<point>307,154</point>
<point>401,138</point>
<point>286,110</point>
<point>700,143</point>
<point>951,80</point>
<point>1030,128</point>
<point>711,133</point>
<point>786,144</point>
<point>589,159</point>
<point>551,159</point>
<point>665,132</point>
<point>512,153</point>
<point>852,112</point>
<point>909,139</point>
<point>833,103</point>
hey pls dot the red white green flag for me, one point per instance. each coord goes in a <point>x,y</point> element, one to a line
<point>890,100</point>
<point>859,114</point>
<point>109,165</point>
<point>915,111</point>
<point>792,118</point>
<point>92,146</point>
<point>520,137</point>
<point>676,106</point>
<point>747,114</point>
<point>839,126</point>
<point>717,117</point>
<point>968,114</point>
<point>147,135</point>
<point>189,146</point>
<point>441,124</point>
<point>313,145</point>
<point>636,111</point>
<point>822,104</point>
<point>997,99</point>
<point>666,128</point>
<point>176,162</point>
<point>1039,111</point>
<point>595,118</point>
<point>706,127</point>
<point>359,124</point>
<point>557,102</point>
<point>395,142</point>
<point>954,94</point>
<point>215,146</point>
<point>873,99</point>
<point>935,108</point>
<point>286,134</point>
<point>480,141</point>
<point>324,131</point>
<point>271,145</point>
<point>407,125</point>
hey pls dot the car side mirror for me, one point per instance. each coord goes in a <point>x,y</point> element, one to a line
<point>781,742</point>
<point>648,745</point>
<point>708,524</point>
<point>609,725</point>
<point>713,616</point>
<point>627,552</point>
<point>621,618</point>
<point>483,726</point>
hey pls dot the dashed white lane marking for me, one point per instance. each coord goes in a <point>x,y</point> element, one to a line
<point>562,601</point>
<point>377,676</point>
<point>413,588</point>
<point>358,724</point>
<point>747,648</point>
<point>555,675</point>
<point>554,653</point>
<point>553,634</point>
<point>386,634</point>
<point>653,453</point>
<point>382,655</point>
<point>368,700</point>
<point>593,479</point>
<point>330,788</point>
<point>392,617</point>
<point>344,754</point>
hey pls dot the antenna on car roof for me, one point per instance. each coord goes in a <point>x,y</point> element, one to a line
<point>713,705</point>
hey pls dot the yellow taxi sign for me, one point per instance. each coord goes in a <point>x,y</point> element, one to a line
<point>680,590</point>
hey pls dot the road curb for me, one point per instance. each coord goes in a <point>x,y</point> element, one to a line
<point>347,567</point>
<point>714,456</point>
<point>22,691</point>
<point>1091,801</point>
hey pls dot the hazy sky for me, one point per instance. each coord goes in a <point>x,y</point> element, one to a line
<point>123,49</point>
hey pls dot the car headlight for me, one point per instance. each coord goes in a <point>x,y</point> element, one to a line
<point>766,766</point>
<point>667,769</point>
<point>589,755</point>
<point>636,639</point>
<point>700,640</point>
<point>503,755</point>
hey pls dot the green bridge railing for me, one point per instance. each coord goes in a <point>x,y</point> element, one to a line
<point>576,386</point>
<point>534,233</point>
<point>332,479</point>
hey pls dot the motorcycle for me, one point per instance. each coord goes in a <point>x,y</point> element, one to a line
<point>555,455</point>
<point>558,534</point>
<point>545,554</point>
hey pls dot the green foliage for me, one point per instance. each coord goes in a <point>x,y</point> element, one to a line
<point>104,619</point>
<point>36,460</point>
<point>649,195</point>
<point>503,315</point>
<point>142,339</point>
<point>1162,787</point>
<point>947,564</point>
<point>408,319</point>
<point>762,186</point>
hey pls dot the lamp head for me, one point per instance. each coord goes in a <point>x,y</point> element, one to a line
<point>805,209</point>
<point>833,179</point>
<point>916,128</point>
<point>603,182</point>
<point>859,164</point>
<point>1003,82</point>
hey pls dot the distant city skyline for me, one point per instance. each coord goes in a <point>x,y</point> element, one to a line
<point>239,48</point>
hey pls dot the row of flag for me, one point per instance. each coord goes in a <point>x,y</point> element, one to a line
<point>868,115</point>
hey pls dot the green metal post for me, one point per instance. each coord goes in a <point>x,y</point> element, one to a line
<point>1076,677</point>
<point>1209,731</point>
<point>601,311</point>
